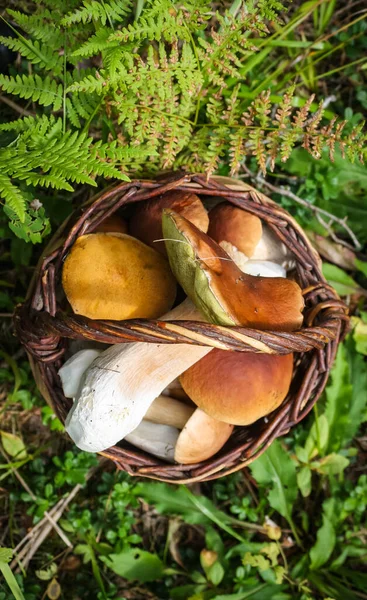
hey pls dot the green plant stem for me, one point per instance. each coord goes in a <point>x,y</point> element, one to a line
<point>64,90</point>
<point>318,437</point>
<point>210,515</point>
<point>332,71</point>
<point>96,571</point>
<point>11,581</point>
<point>17,378</point>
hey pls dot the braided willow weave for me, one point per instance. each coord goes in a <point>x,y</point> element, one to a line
<point>44,328</point>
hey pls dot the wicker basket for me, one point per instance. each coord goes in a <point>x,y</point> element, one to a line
<point>45,329</point>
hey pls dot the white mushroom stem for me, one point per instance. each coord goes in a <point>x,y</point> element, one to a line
<point>270,248</point>
<point>264,268</point>
<point>122,383</point>
<point>168,411</point>
<point>73,369</point>
<point>159,440</point>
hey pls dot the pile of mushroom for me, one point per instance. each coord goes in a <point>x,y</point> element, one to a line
<point>179,402</point>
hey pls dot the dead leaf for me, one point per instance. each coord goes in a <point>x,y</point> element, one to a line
<point>13,445</point>
<point>335,253</point>
<point>53,590</point>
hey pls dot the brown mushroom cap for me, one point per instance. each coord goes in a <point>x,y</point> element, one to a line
<point>225,294</point>
<point>230,225</point>
<point>146,223</point>
<point>113,224</point>
<point>201,438</point>
<point>238,387</point>
<point>114,276</point>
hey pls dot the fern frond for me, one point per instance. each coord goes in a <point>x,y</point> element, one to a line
<point>93,10</point>
<point>40,25</point>
<point>222,56</point>
<point>13,197</point>
<point>90,84</point>
<point>47,181</point>
<point>236,151</point>
<point>46,92</point>
<point>216,149</point>
<point>36,52</point>
<point>24,124</point>
<point>270,9</point>
<point>95,44</point>
<point>161,20</point>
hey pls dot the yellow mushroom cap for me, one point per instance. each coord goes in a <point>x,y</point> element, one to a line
<point>115,276</point>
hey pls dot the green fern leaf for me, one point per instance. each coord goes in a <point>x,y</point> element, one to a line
<point>42,26</point>
<point>13,197</point>
<point>95,44</point>
<point>93,10</point>
<point>46,91</point>
<point>35,52</point>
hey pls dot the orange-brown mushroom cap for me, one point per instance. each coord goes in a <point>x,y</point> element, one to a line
<point>112,224</point>
<point>224,293</point>
<point>115,276</point>
<point>238,387</point>
<point>201,438</point>
<point>146,222</point>
<point>233,226</point>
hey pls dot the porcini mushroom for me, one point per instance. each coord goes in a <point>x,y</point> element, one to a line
<point>115,276</point>
<point>202,437</point>
<point>223,293</point>
<point>146,222</point>
<point>238,387</point>
<point>113,223</point>
<point>236,230</point>
<point>244,237</point>
<point>122,382</point>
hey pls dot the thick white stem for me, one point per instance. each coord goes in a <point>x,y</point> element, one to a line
<point>159,440</point>
<point>122,383</point>
<point>168,411</point>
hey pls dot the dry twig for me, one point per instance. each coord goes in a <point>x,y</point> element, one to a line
<point>319,213</point>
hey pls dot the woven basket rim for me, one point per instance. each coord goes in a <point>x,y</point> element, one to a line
<point>43,328</point>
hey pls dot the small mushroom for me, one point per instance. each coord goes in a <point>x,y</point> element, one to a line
<point>223,293</point>
<point>146,223</point>
<point>115,276</point>
<point>168,411</point>
<point>244,237</point>
<point>202,437</point>
<point>236,230</point>
<point>238,387</point>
